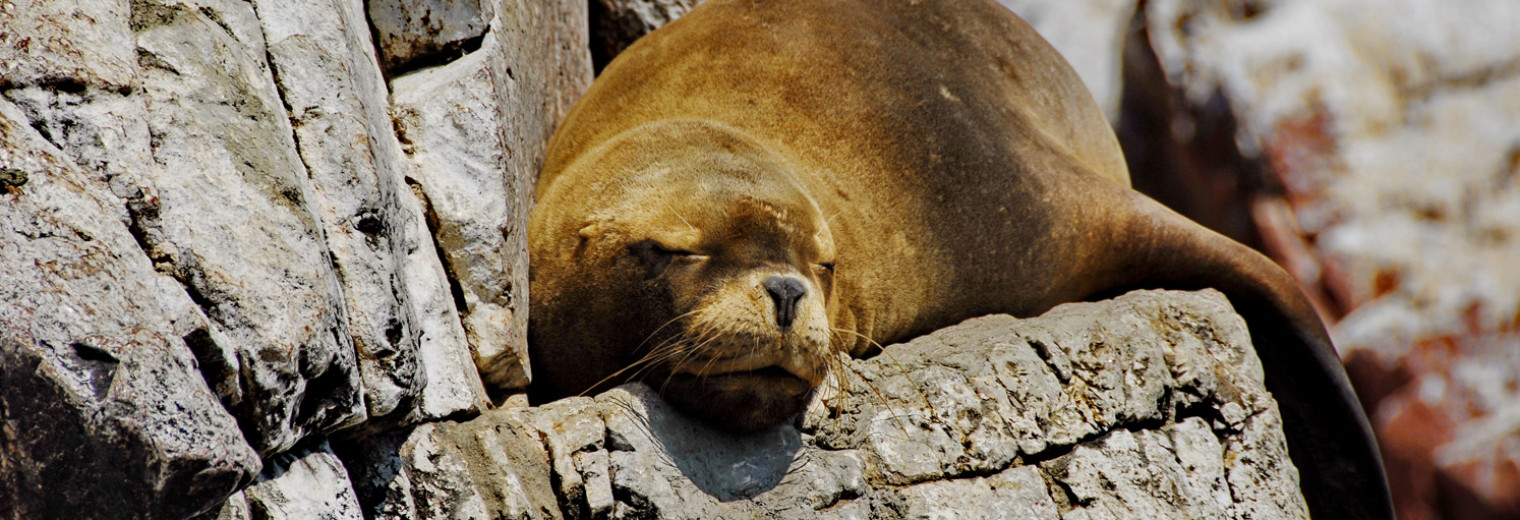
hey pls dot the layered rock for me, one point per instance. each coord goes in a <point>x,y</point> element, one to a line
<point>476,131</point>
<point>213,252</point>
<point>102,410</point>
<point>1147,406</point>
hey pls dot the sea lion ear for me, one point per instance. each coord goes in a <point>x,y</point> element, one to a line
<point>595,229</point>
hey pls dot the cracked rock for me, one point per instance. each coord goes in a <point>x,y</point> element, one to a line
<point>102,413</point>
<point>476,131</point>
<point>412,34</point>
<point>328,80</point>
<point>1114,409</point>
<point>223,156</point>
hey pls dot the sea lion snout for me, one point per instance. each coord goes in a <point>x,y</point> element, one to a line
<point>785,291</point>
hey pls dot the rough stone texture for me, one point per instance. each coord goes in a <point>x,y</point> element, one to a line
<point>223,156</point>
<point>492,466</point>
<point>331,86</point>
<point>453,385</point>
<point>211,251</point>
<point>303,484</point>
<point>102,413</point>
<point>46,42</point>
<point>476,130</point>
<point>1383,144</point>
<point>617,23</point>
<point>1090,35</point>
<point>235,508</point>
<point>412,34</point>
<point>1147,406</point>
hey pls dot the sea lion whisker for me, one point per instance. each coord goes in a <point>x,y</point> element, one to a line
<point>655,355</point>
<point>900,369</point>
<point>662,327</point>
<point>883,399</point>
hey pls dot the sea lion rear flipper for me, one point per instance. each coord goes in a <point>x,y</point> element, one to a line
<point>1329,439</point>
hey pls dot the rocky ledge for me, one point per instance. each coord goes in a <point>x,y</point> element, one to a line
<point>1150,405</point>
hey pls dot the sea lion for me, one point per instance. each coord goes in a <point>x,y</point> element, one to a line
<point>760,185</point>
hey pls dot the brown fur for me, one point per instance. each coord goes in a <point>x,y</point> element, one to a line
<point>938,154</point>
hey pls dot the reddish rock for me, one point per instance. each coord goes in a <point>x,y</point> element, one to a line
<point>1377,147</point>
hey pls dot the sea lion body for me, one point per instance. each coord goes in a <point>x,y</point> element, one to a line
<point>904,165</point>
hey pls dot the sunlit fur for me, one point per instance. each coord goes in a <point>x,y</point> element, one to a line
<point>702,218</point>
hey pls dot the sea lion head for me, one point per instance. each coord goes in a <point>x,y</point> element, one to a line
<point>686,255</point>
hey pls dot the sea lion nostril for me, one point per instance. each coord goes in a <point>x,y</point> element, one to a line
<point>785,291</point>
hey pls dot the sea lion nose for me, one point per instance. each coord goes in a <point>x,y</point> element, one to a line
<point>785,291</point>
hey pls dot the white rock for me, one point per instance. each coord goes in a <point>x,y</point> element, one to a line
<point>304,484</point>
<point>476,131</point>
<point>325,67</point>
<point>224,158</point>
<point>453,384</point>
<point>50,42</point>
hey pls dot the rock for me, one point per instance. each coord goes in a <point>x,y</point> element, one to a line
<point>414,34</point>
<point>476,131</point>
<point>66,43</point>
<point>304,484</point>
<point>453,385</point>
<point>1149,405</point>
<point>1090,35</point>
<point>1385,151</point>
<point>492,466</point>
<point>224,156</point>
<point>102,413</point>
<point>617,23</point>
<point>324,65</point>
<point>235,508</point>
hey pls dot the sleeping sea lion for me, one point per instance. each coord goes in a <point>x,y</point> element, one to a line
<point>763,184</point>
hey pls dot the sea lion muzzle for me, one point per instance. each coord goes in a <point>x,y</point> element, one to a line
<point>785,291</point>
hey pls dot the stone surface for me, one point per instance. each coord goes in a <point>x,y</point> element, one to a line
<point>46,42</point>
<point>102,413</point>
<point>1378,145</point>
<point>413,34</point>
<point>1147,406</point>
<point>303,484</point>
<point>453,385</point>
<point>223,156</point>
<point>331,86</point>
<point>212,252</point>
<point>492,466</point>
<point>476,131</point>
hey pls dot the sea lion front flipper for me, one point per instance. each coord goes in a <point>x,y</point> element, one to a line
<point>1329,439</point>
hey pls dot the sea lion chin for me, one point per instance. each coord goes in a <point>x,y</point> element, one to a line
<point>698,265</point>
<point>759,187</point>
<point>742,401</point>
